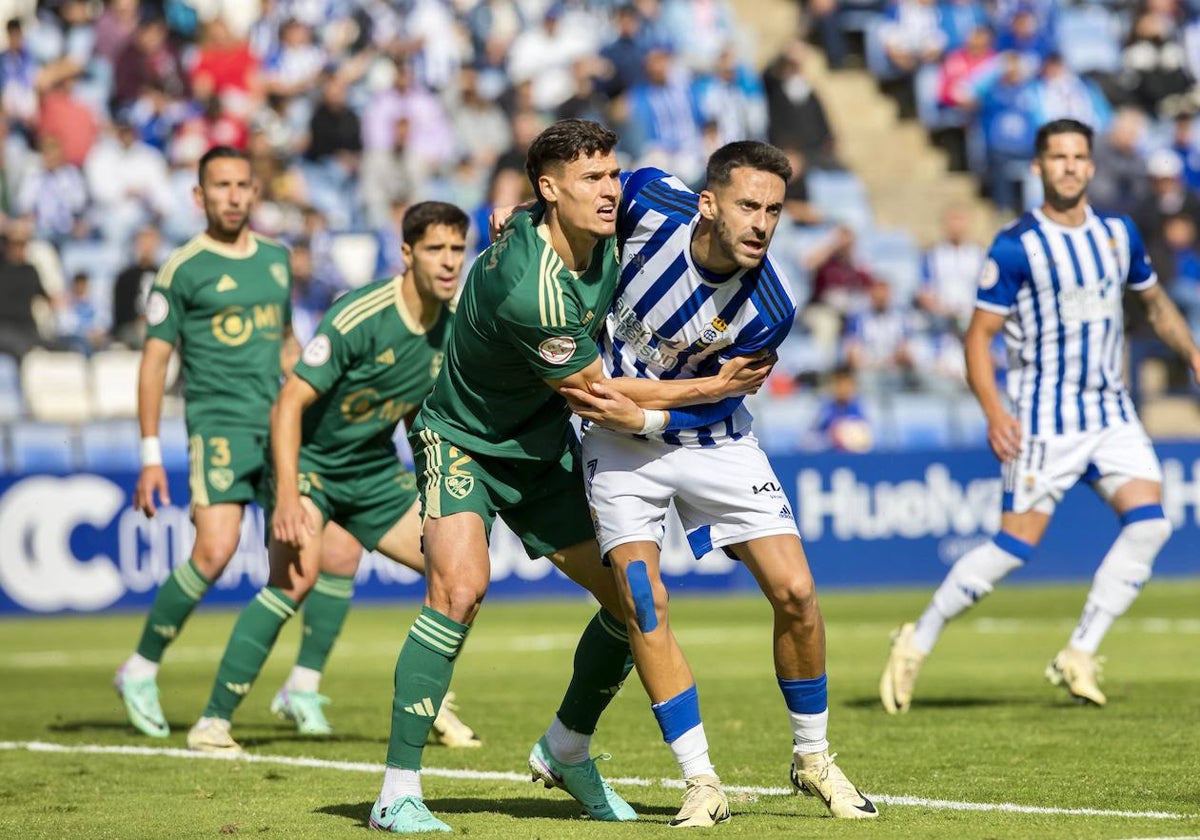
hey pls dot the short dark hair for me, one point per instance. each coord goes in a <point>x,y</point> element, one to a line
<point>218,153</point>
<point>1063,126</point>
<point>563,142</point>
<point>748,154</point>
<point>420,217</point>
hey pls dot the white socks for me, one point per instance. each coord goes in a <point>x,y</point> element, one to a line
<point>567,745</point>
<point>304,679</point>
<point>398,783</point>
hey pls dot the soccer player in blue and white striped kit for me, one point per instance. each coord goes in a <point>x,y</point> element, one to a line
<point>1054,283</point>
<point>697,288</point>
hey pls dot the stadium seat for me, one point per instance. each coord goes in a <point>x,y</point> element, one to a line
<point>355,255</point>
<point>932,115</point>
<point>114,377</point>
<point>172,432</point>
<point>878,63</point>
<point>781,423</point>
<point>42,447</point>
<point>920,421</point>
<point>56,386</point>
<point>841,198</point>
<point>110,445</point>
<point>10,389</point>
<point>1089,38</point>
<point>968,423</point>
<point>893,256</point>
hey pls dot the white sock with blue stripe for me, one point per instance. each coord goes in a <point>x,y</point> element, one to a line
<point>679,720</point>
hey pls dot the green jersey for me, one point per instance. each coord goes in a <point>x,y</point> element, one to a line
<point>228,312</point>
<point>372,363</point>
<point>523,317</point>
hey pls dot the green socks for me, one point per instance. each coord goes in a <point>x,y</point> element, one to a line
<point>251,641</point>
<point>176,599</point>
<point>602,662</point>
<point>423,672</point>
<point>325,611</point>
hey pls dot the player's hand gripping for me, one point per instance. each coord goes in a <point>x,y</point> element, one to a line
<point>291,523</point>
<point>605,407</point>
<point>499,216</point>
<point>1004,436</point>
<point>151,483</point>
<point>744,375</point>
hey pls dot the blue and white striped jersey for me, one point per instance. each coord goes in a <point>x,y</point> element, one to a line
<point>673,319</point>
<point>1061,288</point>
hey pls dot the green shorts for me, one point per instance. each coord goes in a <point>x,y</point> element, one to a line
<point>543,502</point>
<point>366,501</point>
<point>225,467</point>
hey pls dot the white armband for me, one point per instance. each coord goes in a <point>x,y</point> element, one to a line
<point>653,420</point>
<point>151,452</point>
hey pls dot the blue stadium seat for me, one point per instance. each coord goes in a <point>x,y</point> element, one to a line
<point>781,423</point>
<point>1089,38</point>
<point>841,197</point>
<point>172,432</point>
<point>113,445</point>
<point>878,63</point>
<point>893,256</point>
<point>932,115</point>
<point>920,421</point>
<point>969,424</point>
<point>42,447</point>
<point>11,405</point>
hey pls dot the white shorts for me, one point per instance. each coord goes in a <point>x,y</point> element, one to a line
<point>725,494</point>
<point>1050,466</point>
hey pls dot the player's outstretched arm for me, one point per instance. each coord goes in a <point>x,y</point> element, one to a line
<point>1004,430</point>
<point>290,523</point>
<point>152,380</point>
<point>1169,325</point>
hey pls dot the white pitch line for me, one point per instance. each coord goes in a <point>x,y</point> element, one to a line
<point>499,776</point>
<point>554,642</point>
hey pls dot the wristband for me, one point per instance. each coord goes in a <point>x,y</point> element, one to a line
<point>151,452</point>
<point>653,420</point>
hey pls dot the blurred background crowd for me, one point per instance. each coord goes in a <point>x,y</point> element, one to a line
<point>353,109</point>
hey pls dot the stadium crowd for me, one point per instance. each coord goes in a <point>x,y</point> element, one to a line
<point>353,109</point>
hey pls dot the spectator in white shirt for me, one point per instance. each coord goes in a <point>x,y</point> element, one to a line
<point>54,194</point>
<point>949,272</point>
<point>128,181</point>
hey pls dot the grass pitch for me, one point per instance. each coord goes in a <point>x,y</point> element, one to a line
<point>990,750</point>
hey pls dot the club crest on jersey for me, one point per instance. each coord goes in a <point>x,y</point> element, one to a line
<point>990,275</point>
<point>435,364</point>
<point>157,308</point>
<point>713,331</point>
<point>557,350</point>
<point>279,274</point>
<point>317,351</point>
<point>460,486</point>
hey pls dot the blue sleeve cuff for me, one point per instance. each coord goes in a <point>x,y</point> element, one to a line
<point>696,416</point>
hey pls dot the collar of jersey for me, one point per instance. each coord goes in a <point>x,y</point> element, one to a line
<point>1050,223</point>
<point>224,250</point>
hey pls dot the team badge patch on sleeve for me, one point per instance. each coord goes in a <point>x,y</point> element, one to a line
<point>157,308</point>
<point>316,352</point>
<point>990,274</point>
<point>557,350</point>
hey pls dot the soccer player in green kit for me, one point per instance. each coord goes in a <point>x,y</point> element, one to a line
<point>372,362</point>
<point>224,298</point>
<point>494,439</point>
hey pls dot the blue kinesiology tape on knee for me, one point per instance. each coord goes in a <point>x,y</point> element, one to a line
<point>643,596</point>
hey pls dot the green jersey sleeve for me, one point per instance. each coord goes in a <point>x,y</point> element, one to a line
<point>545,329</point>
<point>328,355</point>
<point>166,305</point>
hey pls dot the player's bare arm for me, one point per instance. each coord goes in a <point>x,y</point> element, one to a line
<point>152,380</point>
<point>1168,324</point>
<point>291,523</point>
<point>289,351</point>
<point>1004,430</point>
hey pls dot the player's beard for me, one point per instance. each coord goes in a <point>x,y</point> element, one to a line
<point>727,242</point>
<point>1063,200</point>
<point>226,231</point>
